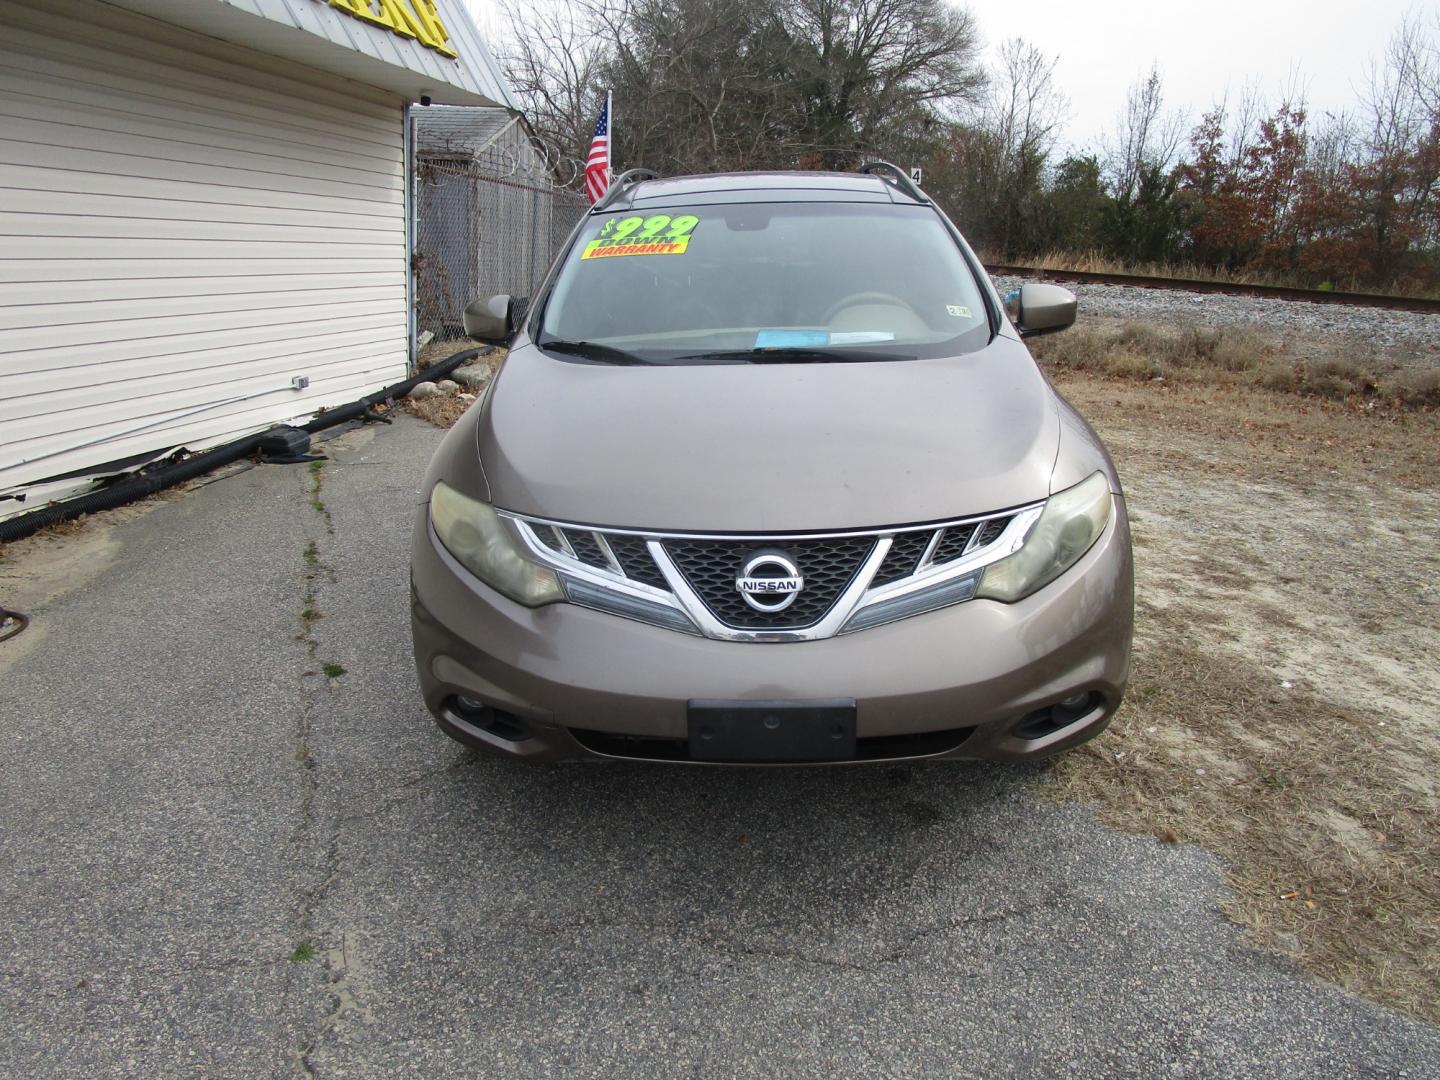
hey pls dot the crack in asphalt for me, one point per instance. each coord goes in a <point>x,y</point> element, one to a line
<point>734,948</point>
<point>339,963</point>
<point>410,793</point>
<point>335,957</point>
<point>892,956</point>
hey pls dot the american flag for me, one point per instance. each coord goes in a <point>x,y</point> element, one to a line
<point>597,166</point>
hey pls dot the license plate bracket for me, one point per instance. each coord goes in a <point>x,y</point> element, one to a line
<point>772,731</point>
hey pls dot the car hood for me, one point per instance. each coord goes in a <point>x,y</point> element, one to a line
<point>768,447</point>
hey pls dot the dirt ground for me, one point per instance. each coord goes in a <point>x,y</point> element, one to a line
<point>1284,707</point>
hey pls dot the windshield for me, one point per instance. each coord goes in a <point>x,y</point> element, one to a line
<point>765,282</point>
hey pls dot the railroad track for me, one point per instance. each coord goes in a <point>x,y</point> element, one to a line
<point>1269,292</point>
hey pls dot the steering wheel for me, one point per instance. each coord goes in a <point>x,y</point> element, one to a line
<point>856,299</point>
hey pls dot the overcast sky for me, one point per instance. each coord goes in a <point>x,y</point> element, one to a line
<point>1202,48</point>
<point>1105,45</point>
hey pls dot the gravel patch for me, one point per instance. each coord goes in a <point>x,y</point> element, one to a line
<point>1405,338</point>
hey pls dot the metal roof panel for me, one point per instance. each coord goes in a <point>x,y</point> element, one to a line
<point>316,33</point>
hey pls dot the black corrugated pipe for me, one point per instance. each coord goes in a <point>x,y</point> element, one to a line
<point>128,489</point>
<point>177,472</point>
<point>330,417</point>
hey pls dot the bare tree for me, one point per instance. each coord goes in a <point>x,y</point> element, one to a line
<point>553,57</point>
<point>1399,182</point>
<point>702,81</point>
<point>1390,100</point>
<point>1248,113</point>
<point>1334,145</point>
<point>1021,115</point>
<point>1023,107</point>
<point>1148,138</point>
<point>865,66</point>
<point>717,84</point>
<point>1413,55</point>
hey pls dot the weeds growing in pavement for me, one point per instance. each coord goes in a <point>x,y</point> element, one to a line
<point>317,480</point>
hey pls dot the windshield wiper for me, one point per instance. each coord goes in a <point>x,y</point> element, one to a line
<point>797,355</point>
<point>590,350</point>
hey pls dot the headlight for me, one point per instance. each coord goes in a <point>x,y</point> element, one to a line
<point>1070,523</point>
<point>485,545</point>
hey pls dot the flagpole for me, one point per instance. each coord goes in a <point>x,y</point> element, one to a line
<point>610,112</point>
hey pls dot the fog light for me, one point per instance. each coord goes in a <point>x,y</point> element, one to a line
<point>470,705</point>
<point>1042,722</point>
<point>476,714</point>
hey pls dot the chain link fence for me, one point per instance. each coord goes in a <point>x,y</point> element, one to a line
<point>489,219</point>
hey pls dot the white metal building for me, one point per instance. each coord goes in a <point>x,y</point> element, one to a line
<point>203,206</point>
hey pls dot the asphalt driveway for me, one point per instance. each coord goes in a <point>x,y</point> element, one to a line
<point>217,861</point>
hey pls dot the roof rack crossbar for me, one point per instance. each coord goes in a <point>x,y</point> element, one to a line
<point>617,186</point>
<point>902,178</point>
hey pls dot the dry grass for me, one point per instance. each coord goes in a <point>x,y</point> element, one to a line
<point>441,349</point>
<point>442,411</point>
<point>1326,812</point>
<point>1333,852</point>
<point>64,528</point>
<point>1094,262</point>
<point>1251,435</point>
<point>50,532</point>
<point>1231,356</point>
<point>78,525</point>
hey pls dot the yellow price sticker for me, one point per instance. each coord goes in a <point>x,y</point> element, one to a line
<point>659,234</point>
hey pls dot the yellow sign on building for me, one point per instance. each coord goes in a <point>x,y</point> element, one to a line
<point>416,19</point>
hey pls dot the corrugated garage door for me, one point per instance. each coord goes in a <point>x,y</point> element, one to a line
<point>185,227</point>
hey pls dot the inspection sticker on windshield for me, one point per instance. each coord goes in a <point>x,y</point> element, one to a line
<point>659,234</point>
<point>960,311</point>
<point>814,339</point>
<point>791,339</point>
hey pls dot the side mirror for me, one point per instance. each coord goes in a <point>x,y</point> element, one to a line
<point>1041,309</point>
<point>493,319</point>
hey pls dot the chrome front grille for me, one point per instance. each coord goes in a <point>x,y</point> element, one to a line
<point>906,550</point>
<point>828,565</point>
<point>635,560</point>
<point>851,580</point>
<point>586,546</point>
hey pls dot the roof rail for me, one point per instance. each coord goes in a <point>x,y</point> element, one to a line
<point>902,178</point>
<point>614,191</point>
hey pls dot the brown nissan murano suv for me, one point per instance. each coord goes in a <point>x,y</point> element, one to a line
<point>768,476</point>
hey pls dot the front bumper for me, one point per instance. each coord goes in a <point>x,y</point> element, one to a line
<point>967,681</point>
